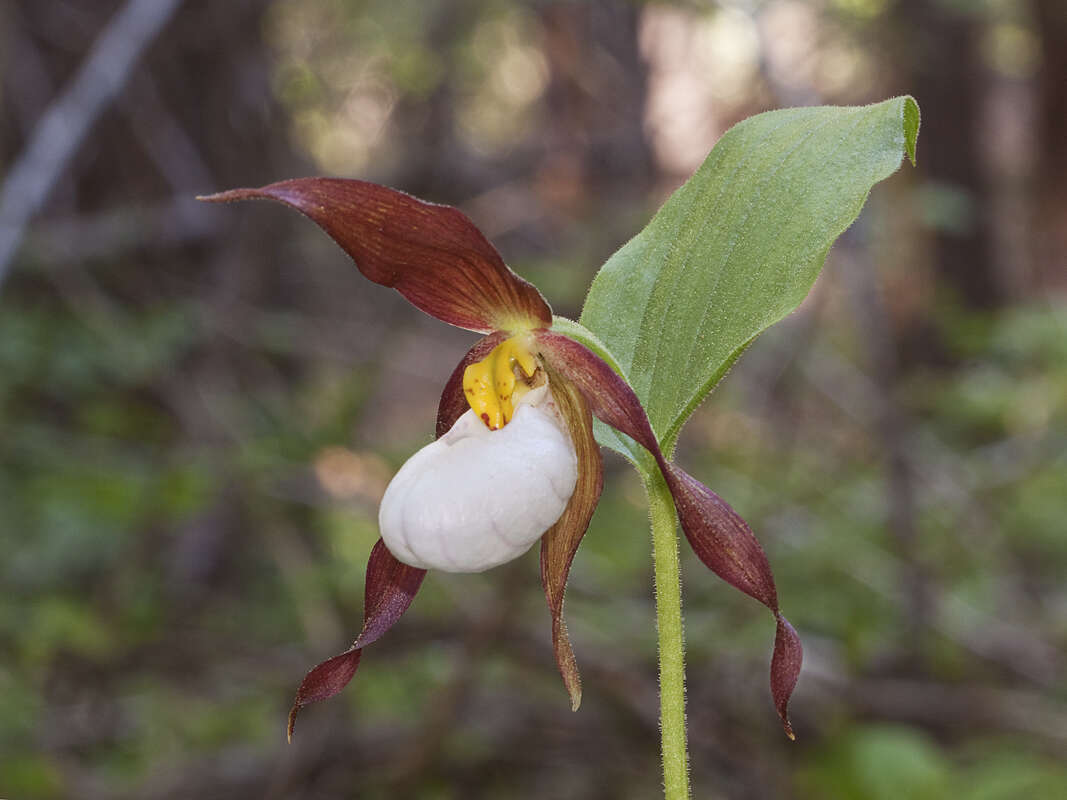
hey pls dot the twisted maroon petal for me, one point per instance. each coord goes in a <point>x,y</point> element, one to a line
<point>391,586</point>
<point>560,542</point>
<point>608,394</point>
<point>729,548</point>
<point>785,669</point>
<point>431,254</point>
<point>720,538</point>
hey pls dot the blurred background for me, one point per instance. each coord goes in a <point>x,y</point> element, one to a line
<point>200,406</point>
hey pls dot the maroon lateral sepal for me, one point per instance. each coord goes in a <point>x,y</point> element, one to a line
<point>390,588</point>
<point>432,254</point>
<point>726,545</point>
<point>722,540</point>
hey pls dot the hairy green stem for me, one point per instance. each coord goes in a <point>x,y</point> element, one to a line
<point>671,637</point>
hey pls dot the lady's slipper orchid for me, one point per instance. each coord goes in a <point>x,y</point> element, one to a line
<point>515,459</point>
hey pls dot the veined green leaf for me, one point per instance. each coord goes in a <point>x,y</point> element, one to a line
<point>737,248</point>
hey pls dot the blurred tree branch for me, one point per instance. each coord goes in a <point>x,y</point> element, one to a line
<point>947,706</point>
<point>65,123</point>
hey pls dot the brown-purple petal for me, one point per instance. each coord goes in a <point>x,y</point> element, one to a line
<point>323,682</point>
<point>432,254</point>
<point>785,669</point>
<point>391,586</point>
<point>560,542</point>
<point>721,539</point>
<point>608,394</point>
<point>726,545</point>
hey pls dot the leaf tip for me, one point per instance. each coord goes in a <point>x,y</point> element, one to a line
<point>911,120</point>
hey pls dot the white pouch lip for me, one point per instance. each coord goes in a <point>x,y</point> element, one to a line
<point>475,498</point>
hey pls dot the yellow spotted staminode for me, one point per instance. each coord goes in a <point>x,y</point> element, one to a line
<point>491,385</point>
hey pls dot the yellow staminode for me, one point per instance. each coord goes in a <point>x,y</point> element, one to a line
<point>490,384</point>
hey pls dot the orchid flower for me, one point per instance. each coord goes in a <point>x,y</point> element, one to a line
<point>515,458</point>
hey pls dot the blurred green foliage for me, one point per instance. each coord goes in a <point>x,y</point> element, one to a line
<point>97,488</point>
<point>195,429</point>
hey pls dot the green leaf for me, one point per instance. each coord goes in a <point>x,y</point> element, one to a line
<point>737,248</point>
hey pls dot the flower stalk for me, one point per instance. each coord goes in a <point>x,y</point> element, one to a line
<point>671,637</point>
